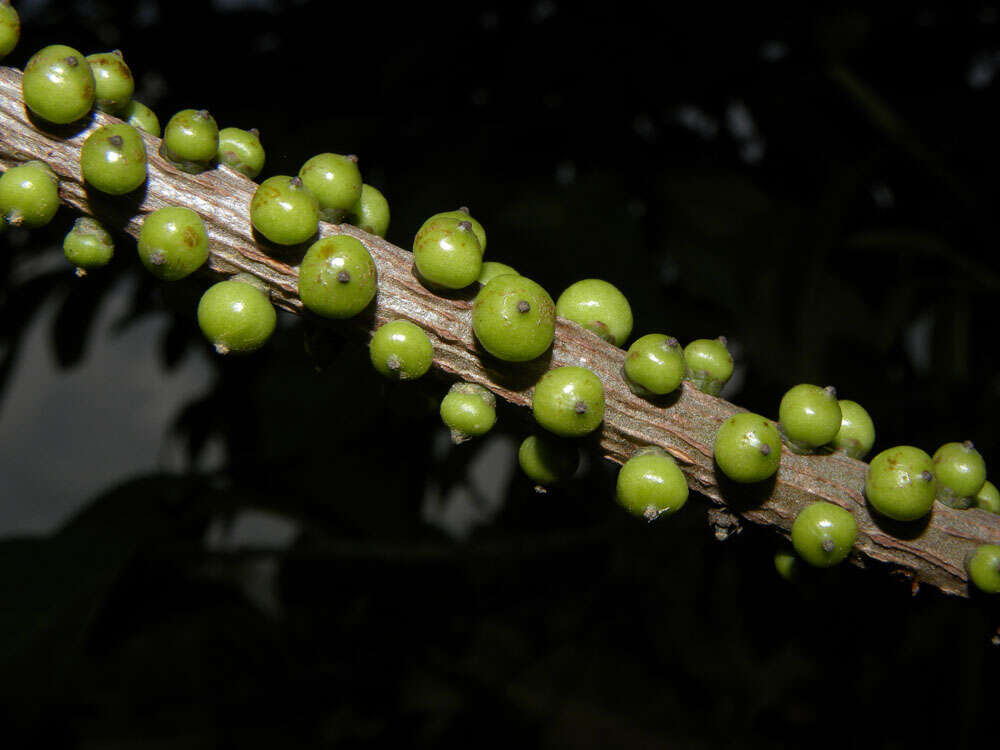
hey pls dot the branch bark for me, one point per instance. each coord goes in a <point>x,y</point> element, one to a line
<point>930,552</point>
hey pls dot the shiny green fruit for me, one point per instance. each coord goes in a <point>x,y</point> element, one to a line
<point>809,416</point>
<point>446,253</point>
<point>113,81</point>
<point>856,435</point>
<point>599,307</point>
<point>113,159</point>
<point>708,364</point>
<point>141,117</point>
<point>10,29</point>
<point>984,568</point>
<point>650,484</point>
<point>960,473</point>
<point>654,365</point>
<point>568,401</point>
<point>823,534</point>
<point>547,460</point>
<point>337,278</point>
<point>191,140</point>
<point>988,498</point>
<point>469,411</point>
<point>88,245</point>
<point>748,448</point>
<point>241,150</point>
<point>401,350</point>
<point>462,214</point>
<point>900,483</point>
<point>491,269</point>
<point>514,318</point>
<point>173,242</point>
<point>371,212</point>
<point>28,196</point>
<point>284,211</point>
<point>335,180</point>
<point>236,317</point>
<point>58,84</point>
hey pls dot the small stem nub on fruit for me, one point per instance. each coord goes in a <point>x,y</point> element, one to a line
<point>671,343</point>
<point>580,407</point>
<point>72,61</point>
<point>828,545</point>
<point>651,513</point>
<point>723,340</point>
<point>116,141</point>
<point>255,133</point>
<point>352,157</point>
<point>158,258</point>
<point>464,209</point>
<point>831,391</point>
<point>295,182</point>
<point>968,445</point>
<point>524,306</point>
<point>393,363</point>
<point>926,475</point>
<point>765,450</point>
<point>343,277</point>
<point>203,114</point>
<point>221,349</point>
<point>465,226</point>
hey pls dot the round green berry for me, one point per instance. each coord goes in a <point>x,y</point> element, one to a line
<point>284,211</point>
<point>960,473</point>
<point>241,150</point>
<point>491,269</point>
<point>462,214</point>
<point>88,244</point>
<point>236,317</point>
<point>191,140</point>
<point>823,534</point>
<point>900,483</point>
<point>337,278</point>
<point>547,460</point>
<point>708,365</point>
<point>856,435</point>
<point>984,568</point>
<point>371,212</point>
<point>569,401</point>
<point>113,159</point>
<point>599,307</point>
<point>113,80</point>
<point>446,253</point>
<point>988,498</point>
<point>748,448</point>
<point>654,365</point>
<point>650,484</point>
<point>44,167</point>
<point>141,117</point>
<point>58,84</point>
<point>28,196</point>
<point>468,410</point>
<point>809,416</point>
<point>10,29</point>
<point>786,562</point>
<point>335,180</point>
<point>173,242</point>
<point>401,350</point>
<point>514,318</point>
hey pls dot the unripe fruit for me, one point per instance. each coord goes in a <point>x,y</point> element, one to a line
<point>401,350</point>
<point>599,307</point>
<point>173,242</point>
<point>335,180</point>
<point>708,364</point>
<point>462,214</point>
<point>113,82</point>
<point>371,212</point>
<point>786,562</point>
<point>960,473</point>
<point>748,448</point>
<point>654,365</point>
<point>28,196</point>
<point>491,269</point>
<point>141,117</point>
<point>191,140</point>
<point>337,278</point>
<point>284,211</point>
<point>547,460</point>
<point>88,245</point>
<point>10,29</point>
<point>514,318</point>
<point>809,416</point>
<point>469,411</point>
<point>856,435</point>
<point>984,568</point>
<point>113,159</point>
<point>236,317</point>
<point>241,150</point>
<point>446,253</point>
<point>650,484</point>
<point>569,401</point>
<point>58,84</point>
<point>900,483</point>
<point>823,534</point>
<point>988,498</point>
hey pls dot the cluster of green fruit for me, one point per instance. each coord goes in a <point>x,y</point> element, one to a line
<point>513,318</point>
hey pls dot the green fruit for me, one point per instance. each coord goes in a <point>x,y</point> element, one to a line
<point>514,318</point>
<point>960,473</point>
<point>28,196</point>
<point>786,562</point>
<point>988,498</point>
<point>284,211</point>
<point>236,317</point>
<point>88,244</point>
<point>58,84</point>
<point>335,180</point>
<point>191,140</point>
<point>113,159</point>
<point>491,269</point>
<point>599,307</point>
<point>708,364</point>
<point>401,350</point>
<point>10,29</point>
<point>809,416</point>
<point>337,278</point>
<point>173,242</point>
<point>241,150</point>
<point>113,80</point>
<point>984,568</point>
<point>446,253</point>
<point>651,485</point>
<point>462,214</point>
<point>823,534</point>
<point>856,435</point>
<point>568,401</point>
<point>371,212</point>
<point>469,411</point>
<point>900,483</point>
<point>141,117</point>
<point>748,448</point>
<point>547,460</point>
<point>654,365</point>
<point>46,169</point>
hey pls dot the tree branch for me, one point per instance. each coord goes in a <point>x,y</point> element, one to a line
<point>930,552</point>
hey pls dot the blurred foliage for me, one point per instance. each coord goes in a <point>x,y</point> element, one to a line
<point>816,186</point>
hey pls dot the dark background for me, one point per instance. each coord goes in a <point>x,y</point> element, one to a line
<point>299,558</point>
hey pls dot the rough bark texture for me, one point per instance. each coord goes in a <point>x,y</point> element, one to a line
<point>931,551</point>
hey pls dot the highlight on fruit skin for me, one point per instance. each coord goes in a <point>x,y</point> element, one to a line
<point>469,410</point>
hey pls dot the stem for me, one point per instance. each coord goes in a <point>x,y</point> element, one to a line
<point>932,553</point>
